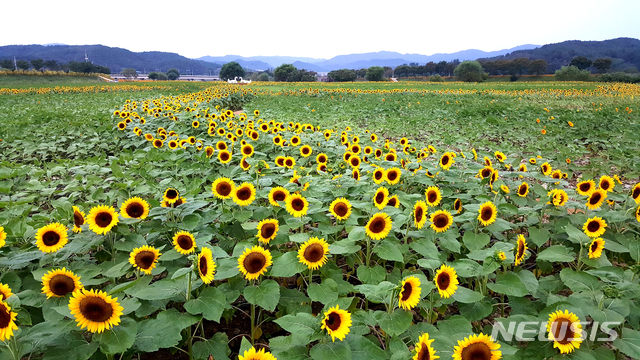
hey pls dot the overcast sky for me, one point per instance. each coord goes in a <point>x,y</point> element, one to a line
<point>319,29</point>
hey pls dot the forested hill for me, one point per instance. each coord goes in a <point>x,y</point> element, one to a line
<point>624,52</point>
<point>114,58</point>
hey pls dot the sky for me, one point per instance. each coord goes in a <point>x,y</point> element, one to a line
<point>317,29</point>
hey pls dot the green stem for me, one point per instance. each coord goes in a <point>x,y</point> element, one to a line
<point>189,334</point>
<point>310,277</point>
<point>253,326</point>
<point>579,265</point>
<point>368,252</point>
<point>406,234</point>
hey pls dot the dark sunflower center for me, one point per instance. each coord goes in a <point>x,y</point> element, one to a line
<point>185,242</point>
<point>485,173</point>
<point>280,161</point>
<point>209,151</point>
<point>441,221</point>
<point>378,153</point>
<point>313,253</point>
<point>636,192</point>
<point>5,317</point>
<point>594,246</point>
<point>341,209</point>
<point>244,193</point>
<point>223,188</point>
<point>407,289</point>
<point>288,162</point>
<point>50,238</point>
<point>323,167</point>
<point>562,332</point>
<point>379,197</point>
<point>419,214</point>
<point>61,285</point>
<point>443,281</point>
<point>445,160</point>
<point>432,196</point>
<point>457,205</point>
<point>486,213</point>
<point>178,202</point>
<point>95,309</point>
<point>267,230</point>
<point>254,262</point>
<point>595,198</point>
<point>245,163</point>
<point>297,204</point>
<point>78,220</point>
<point>392,175</point>
<point>354,161</point>
<point>305,150</point>
<point>279,196</point>
<point>545,169</point>
<point>522,189</point>
<point>202,265</point>
<point>144,259</point>
<point>171,194</point>
<point>593,226</point>
<point>103,219</point>
<point>424,353</point>
<point>389,157</point>
<point>135,210</point>
<point>377,225</point>
<point>556,176</point>
<point>520,249</point>
<point>222,147</point>
<point>392,201</point>
<point>476,351</point>
<point>224,156</point>
<point>585,187</point>
<point>246,150</point>
<point>377,175</point>
<point>333,321</point>
<point>605,185</point>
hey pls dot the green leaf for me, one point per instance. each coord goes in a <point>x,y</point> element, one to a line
<point>467,296</point>
<point>556,253</point>
<point>287,265</point>
<point>211,303</point>
<point>476,311</point>
<point>154,334</point>
<point>119,339</point>
<point>377,293</point>
<point>395,323</point>
<point>159,290</point>
<point>325,292</point>
<point>76,349</point>
<point>332,350</point>
<point>629,343</point>
<point>387,250</point>
<point>265,295</point>
<point>190,222</point>
<point>217,347</point>
<point>299,237</point>
<point>363,349</point>
<point>357,233</point>
<point>577,236</point>
<point>509,284</point>
<point>344,247</point>
<point>475,241</point>
<point>301,324</point>
<point>579,280</point>
<point>371,275</point>
<point>227,267</point>
<point>538,236</point>
<point>242,215</point>
<point>425,247</point>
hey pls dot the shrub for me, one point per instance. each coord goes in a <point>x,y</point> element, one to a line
<point>436,78</point>
<point>469,71</point>
<point>572,73</point>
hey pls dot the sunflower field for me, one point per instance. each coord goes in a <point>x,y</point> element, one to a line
<point>404,221</point>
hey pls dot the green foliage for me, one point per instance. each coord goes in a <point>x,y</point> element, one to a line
<point>469,71</point>
<point>374,73</point>
<point>572,73</point>
<point>436,78</point>
<point>23,65</point>
<point>342,75</point>
<point>153,75</point>
<point>619,77</point>
<point>581,62</point>
<point>263,77</point>
<point>6,64</point>
<point>602,64</point>
<point>87,67</point>
<point>231,70</point>
<point>284,71</point>
<point>173,74</point>
<point>37,64</point>
<point>129,73</point>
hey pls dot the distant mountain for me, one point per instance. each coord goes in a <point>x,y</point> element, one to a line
<point>625,53</point>
<point>357,61</point>
<point>115,59</point>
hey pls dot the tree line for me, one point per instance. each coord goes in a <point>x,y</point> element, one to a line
<point>52,65</point>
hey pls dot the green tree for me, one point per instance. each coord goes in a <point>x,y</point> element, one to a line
<point>572,73</point>
<point>374,73</point>
<point>469,71</point>
<point>263,77</point>
<point>537,67</point>
<point>23,65</point>
<point>162,77</point>
<point>231,70</point>
<point>129,73</point>
<point>7,64</point>
<point>153,75</point>
<point>284,71</point>
<point>581,62</point>
<point>342,75</point>
<point>51,65</point>
<point>37,64</point>
<point>602,64</point>
<point>173,74</point>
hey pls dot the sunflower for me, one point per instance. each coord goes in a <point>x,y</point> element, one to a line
<point>321,158</point>
<point>378,175</point>
<point>355,161</point>
<point>457,206</point>
<point>596,198</point>
<point>441,220</point>
<point>391,157</point>
<point>521,250</point>
<point>606,183</point>
<point>102,218</point>
<point>394,201</point>
<point>638,214</point>
<point>446,161</point>
<point>221,145</point>
<point>144,258</point>
<point>297,205</point>
<point>485,172</point>
<point>254,262</point>
<point>306,151</point>
<point>278,194</point>
<point>381,197</point>
<point>78,220</point>
<point>206,265</point>
<point>409,293</point>
<point>446,281</point>
<point>289,162</point>
<point>184,242</point>
<point>523,189</point>
<point>223,188</point>
<point>224,156</point>
<point>477,347</point>
<point>247,150</point>
<point>313,253</point>
<point>7,321</point>
<point>558,197</point>
<point>379,226</point>
<point>594,227</point>
<point>95,310</point>
<point>171,195</point>
<point>504,188</point>
<point>340,208</point>
<point>546,168</point>
<point>522,167</point>
<point>244,194</point>
<point>267,230</point>
<point>179,202</point>
<point>565,331</point>
<point>487,213</point>
<point>253,354</point>
<point>500,156</point>
<point>5,292</point>
<point>60,282</point>
<point>355,174</point>
<point>423,349</point>
<point>392,176</point>
<point>337,323</point>
<point>635,193</point>
<point>135,208</point>
<point>51,238</point>
<point>157,143</point>
<point>433,196</point>
<point>595,248</point>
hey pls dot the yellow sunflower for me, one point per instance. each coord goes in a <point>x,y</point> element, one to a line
<point>565,331</point>
<point>135,208</point>
<point>446,161</point>
<point>78,220</point>
<point>306,151</point>
<point>457,206</point>
<point>184,242</point>
<point>522,167</point>
<point>521,249</point>
<point>378,175</point>
<point>337,323</point>
<point>446,281</point>
<point>223,188</point>
<point>313,253</point>
<point>595,248</point>
<point>477,347</point>
<point>244,194</point>
<point>179,202</point>
<point>485,172</point>
<point>297,205</point>
<point>51,238</point>
<point>523,189</point>
<point>254,262</point>
<point>546,168</point>
<point>340,208</point>
<point>381,198</point>
<point>392,176</point>
<point>102,219</point>
<point>144,258</point>
<point>60,282</point>
<point>247,150</point>
<point>487,213</point>
<point>441,220</point>
<point>433,196</point>
<point>224,156</point>
<point>394,201</point>
<point>206,265</point>
<point>594,227</point>
<point>95,310</point>
<point>410,292</point>
<point>638,214</point>
<point>253,354</point>
<point>321,158</point>
<point>7,321</point>
<point>5,292</point>
<point>423,349</point>
<point>378,226</point>
<point>558,197</point>
<point>500,156</point>
<point>606,183</point>
<point>171,195</point>
<point>596,198</point>
<point>267,230</point>
<point>635,193</point>
<point>278,194</point>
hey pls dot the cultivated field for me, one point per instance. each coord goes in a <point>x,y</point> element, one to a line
<point>319,221</point>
